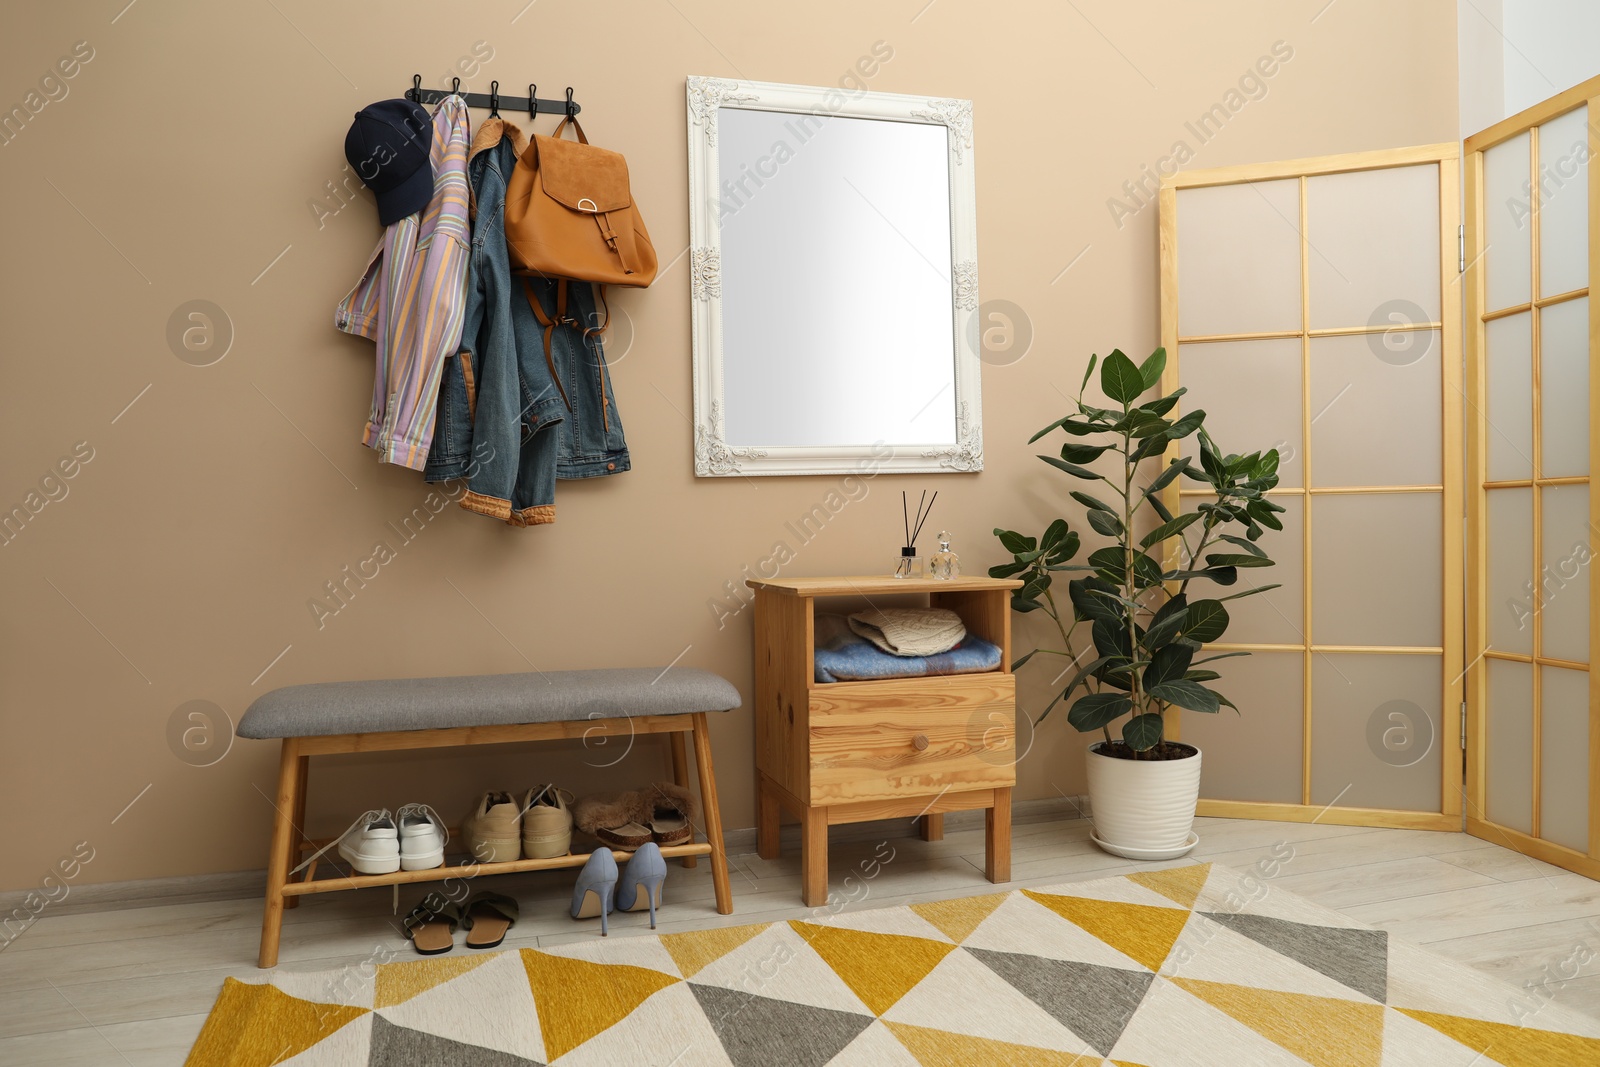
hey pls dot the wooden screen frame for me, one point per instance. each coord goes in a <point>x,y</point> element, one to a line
<point>1447,158</point>
<point>1478,315</point>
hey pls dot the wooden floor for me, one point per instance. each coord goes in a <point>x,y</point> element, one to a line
<point>133,985</point>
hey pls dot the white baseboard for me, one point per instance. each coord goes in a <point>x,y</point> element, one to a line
<point>235,885</point>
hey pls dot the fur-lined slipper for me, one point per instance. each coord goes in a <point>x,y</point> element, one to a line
<point>630,819</point>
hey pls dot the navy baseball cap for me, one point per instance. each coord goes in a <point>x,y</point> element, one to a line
<point>388,146</point>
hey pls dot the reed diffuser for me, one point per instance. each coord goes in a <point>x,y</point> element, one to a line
<point>908,564</point>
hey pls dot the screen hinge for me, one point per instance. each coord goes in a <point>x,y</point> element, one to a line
<point>1461,246</point>
<point>1463,726</point>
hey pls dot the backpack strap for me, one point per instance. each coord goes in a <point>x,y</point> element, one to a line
<point>550,323</point>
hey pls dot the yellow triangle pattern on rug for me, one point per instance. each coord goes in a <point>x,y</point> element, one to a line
<point>1138,931</point>
<point>957,918</point>
<point>1514,1046</point>
<point>693,952</point>
<point>1181,885</point>
<point>577,999</point>
<point>1320,1030</point>
<point>260,1025</point>
<point>941,1048</point>
<point>878,968</point>
<point>397,983</point>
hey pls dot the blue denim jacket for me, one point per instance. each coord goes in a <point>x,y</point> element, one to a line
<point>509,420</point>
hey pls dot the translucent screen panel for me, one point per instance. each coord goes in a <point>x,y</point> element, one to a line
<point>1564,389</point>
<point>1510,752</point>
<point>1509,375</point>
<point>1276,617</point>
<point>1508,233</point>
<point>1564,757</point>
<point>1376,569</point>
<point>1568,547</point>
<point>1250,392</point>
<point>1375,731</point>
<point>1239,258</point>
<point>1375,410</point>
<point>1256,754</point>
<point>1510,555</point>
<point>1564,203</point>
<point>1374,246</point>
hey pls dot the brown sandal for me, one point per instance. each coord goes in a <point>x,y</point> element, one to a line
<point>663,812</point>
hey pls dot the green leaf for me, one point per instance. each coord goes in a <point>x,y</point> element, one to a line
<point>1169,664</point>
<point>1252,592</point>
<point>1103,522</point>
<point>1120,379</point>
<point>1021,606</point>
<point>1142,732</point>
<point>1185,426</point>
<point>1184,694</point>
<point>1014,542</point>
<point>1207,620</point>
<point>1232,559</point>
<point>1095,710</point>
<point>1161,509</point>
<point>1249,546</point>
<point>1149,448</point>
<point>1201,676</point>
<point>1087,371</point>
<point>1110,639</point>
<point>1064,551</point>
<point>1091,605</point>
<point>1017,663</point>
<point>1006,570</point>
<point>1150,370</point>
<point>1167,623</point>
<point>1072,468</point>
<point>1083,453</point>
<point>1093,503</point>
<point>1219,655</point>
<point>1224,700</point>
<point>1168,529</point>
<point>1165,478</point>
<point>1162,404</point>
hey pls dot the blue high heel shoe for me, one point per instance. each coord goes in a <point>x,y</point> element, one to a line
<point>640,885</point>
<point>596,888</point>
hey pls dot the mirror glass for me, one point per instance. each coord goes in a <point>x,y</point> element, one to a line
<point>836,293</point>
<point>833,281</point>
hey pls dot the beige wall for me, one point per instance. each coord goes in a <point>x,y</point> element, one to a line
<point>183,160</point>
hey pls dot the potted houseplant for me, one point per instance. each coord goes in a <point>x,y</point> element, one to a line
<point>1142,658</point>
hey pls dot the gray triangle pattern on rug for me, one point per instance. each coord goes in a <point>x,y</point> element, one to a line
<point>1356,958</point>
<point>1092,1001</point>
<point>762,1032</point>
<point>401,1046</point>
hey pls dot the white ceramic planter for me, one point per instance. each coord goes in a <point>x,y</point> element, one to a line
<point>1143,809</point>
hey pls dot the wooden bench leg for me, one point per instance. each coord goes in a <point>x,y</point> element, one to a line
<point>997,837</point>
<point>932,827</point>
<point>814,856</point>
<point>708,800</point>
<point>768,821</point>
<point>303,777</point>
<point>680,775</point>
<point>283,839</point>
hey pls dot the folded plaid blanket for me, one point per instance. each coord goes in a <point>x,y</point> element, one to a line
<point>842,655</point>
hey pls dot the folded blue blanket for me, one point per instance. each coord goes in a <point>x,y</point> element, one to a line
<point>842,655</point>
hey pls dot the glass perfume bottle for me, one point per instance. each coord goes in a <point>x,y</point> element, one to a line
<point>944,564</point>
<point>908,564</point>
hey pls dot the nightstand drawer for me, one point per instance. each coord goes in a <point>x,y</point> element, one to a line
<point>912,737</point>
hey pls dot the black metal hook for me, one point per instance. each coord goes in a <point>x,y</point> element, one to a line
<point>571,111</point>
<point>416,89</point>
<point>494,99</point>
<point>533,105</point>
<point>455,86</point>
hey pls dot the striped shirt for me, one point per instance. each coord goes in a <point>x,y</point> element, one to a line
<point>411,299</point>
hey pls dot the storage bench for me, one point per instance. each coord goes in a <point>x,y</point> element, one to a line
<point>417,713</point>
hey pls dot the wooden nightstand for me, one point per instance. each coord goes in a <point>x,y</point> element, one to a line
<point>845,752</point>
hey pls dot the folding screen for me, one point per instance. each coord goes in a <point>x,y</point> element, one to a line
<point>1531,333</point>
<point>1313,306</point>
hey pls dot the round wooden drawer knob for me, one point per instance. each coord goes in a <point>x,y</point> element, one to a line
<point>920,742</point>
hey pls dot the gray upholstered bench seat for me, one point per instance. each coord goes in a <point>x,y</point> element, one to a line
<point>383,706</point>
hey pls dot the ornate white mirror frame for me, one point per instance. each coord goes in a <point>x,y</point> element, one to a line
<point>714,456</point>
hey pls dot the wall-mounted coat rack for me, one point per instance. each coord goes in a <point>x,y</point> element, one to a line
<point>493,100</point>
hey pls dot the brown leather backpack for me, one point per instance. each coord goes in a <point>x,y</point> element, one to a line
<point>570,214</point>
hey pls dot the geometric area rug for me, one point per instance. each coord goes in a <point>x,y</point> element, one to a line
<point>1196,966</point>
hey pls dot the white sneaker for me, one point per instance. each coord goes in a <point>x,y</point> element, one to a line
<point>422,838</point>
<point>371,845</point>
